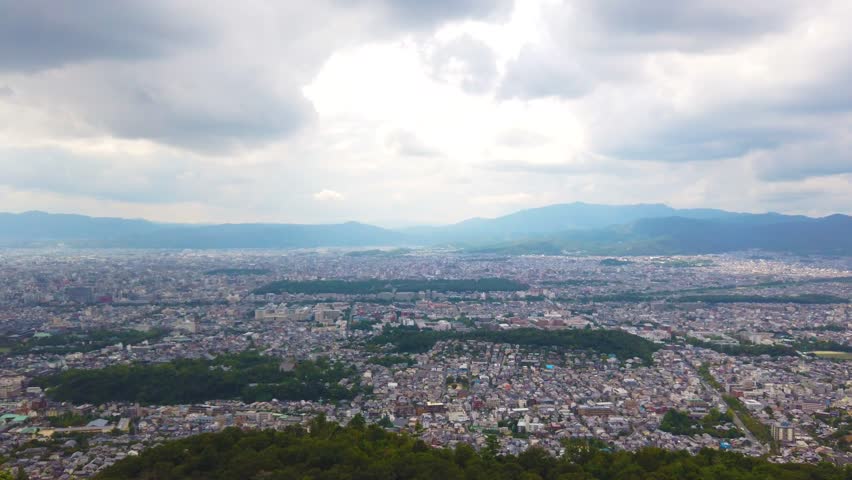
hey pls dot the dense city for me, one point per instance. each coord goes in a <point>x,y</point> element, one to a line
<point>107,353</point>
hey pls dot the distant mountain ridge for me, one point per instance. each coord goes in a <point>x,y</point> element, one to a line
<point>574,228</point>
<point>827,235</point>
<point>707,232</point>
<point>39,227</point>
<point>557,218</point>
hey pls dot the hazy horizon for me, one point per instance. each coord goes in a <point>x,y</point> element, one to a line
<point>401,113</point>
<point>403,225</point>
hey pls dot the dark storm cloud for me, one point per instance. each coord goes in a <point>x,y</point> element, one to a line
<point>38,34</point>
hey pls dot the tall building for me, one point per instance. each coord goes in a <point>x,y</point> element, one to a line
<point>783,432</point>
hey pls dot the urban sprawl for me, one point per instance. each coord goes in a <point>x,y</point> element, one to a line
<point>106,353</point>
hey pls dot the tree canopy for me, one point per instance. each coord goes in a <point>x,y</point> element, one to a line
<point>328,451</point>
<point>618,342</point>
<point>248,376</point>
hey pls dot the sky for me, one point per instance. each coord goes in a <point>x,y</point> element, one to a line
<point>403,112</point>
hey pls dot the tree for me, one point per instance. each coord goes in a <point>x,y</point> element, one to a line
<point>464,453</point>
<point>385,422</point>
<point>19,474</point>
<point>329,451</point>
<point>358,422</point>
<point>492,447</point>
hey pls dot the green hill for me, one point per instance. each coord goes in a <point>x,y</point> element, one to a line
<point>359,452</point>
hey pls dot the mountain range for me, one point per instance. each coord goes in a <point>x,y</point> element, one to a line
<point>574,228</point>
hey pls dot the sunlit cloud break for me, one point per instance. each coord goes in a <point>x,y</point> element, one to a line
<point>390,111</point>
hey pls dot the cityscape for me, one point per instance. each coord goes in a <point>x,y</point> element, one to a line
<point>746,352</point>
<point>426,240</point>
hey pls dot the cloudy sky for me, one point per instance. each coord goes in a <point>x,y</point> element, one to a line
<point>399,112</point>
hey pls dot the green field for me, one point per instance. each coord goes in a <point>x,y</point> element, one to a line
<point>833,355</point>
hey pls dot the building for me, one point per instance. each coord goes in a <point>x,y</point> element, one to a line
<point>80,294</point>
<point>10,386</point>
<point>278,313</point>
<point>327,317</point>
<point>188,325</point>
<point>783,432</point>
<point>600,409</point>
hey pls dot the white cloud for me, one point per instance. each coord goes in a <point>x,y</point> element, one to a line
<point>326,195</point>
<point>426,113</point>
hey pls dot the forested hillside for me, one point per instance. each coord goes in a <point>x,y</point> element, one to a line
<point>359,452</point>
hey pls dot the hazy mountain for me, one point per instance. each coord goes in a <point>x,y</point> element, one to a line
<point>574,228</point>
<point>678,235</point>
<point>38,227</point>
<point>828,235</point>
<point>549,219</point>
<point>570,216</point>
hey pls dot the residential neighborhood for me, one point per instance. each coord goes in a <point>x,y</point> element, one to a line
<point>749,352</point>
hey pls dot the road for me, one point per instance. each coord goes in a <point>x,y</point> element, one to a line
<point>717,397</point>
<point>739,423</point>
